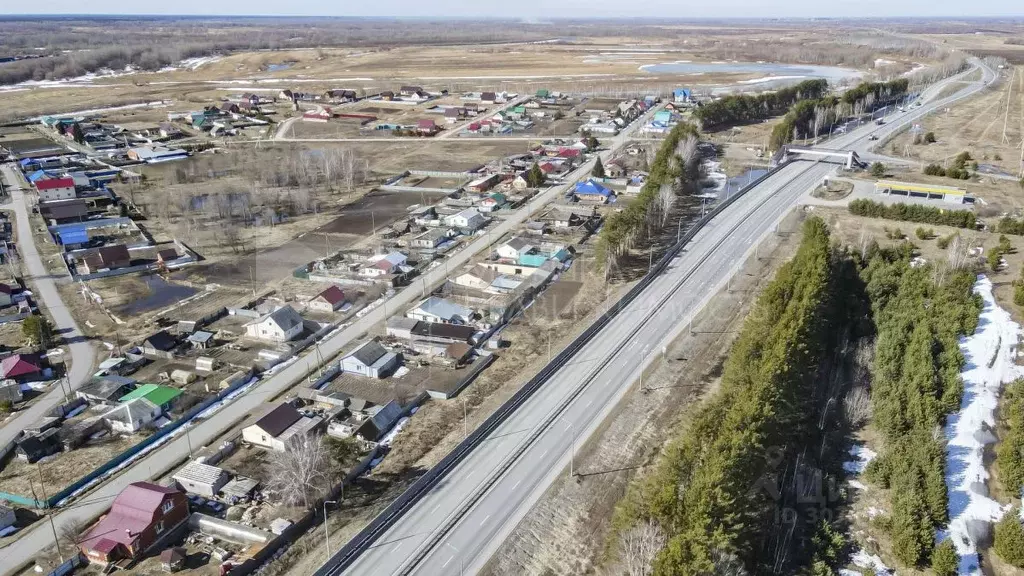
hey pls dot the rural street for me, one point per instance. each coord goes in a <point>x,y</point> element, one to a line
<point>168,455</point>
<point>46,296</point>
<point>463,519</point>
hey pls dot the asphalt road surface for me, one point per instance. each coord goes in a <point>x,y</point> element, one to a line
<point>44,289</point>
<point>460,522</point>
<point>168,455</point>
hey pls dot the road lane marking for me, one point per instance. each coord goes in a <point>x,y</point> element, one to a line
<point>471,472</point>
<point>516,485</point>
<point>484,521</point>
<point>448,562</point>
<point>435,508</point>
<point>544,454</point>
<point>588,404</point>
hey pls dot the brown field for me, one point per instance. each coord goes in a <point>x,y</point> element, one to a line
<point>975,125</point>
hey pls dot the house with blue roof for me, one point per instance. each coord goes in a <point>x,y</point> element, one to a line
<point>594,192</point>
<point>40,175</point>
<point>681,95</point>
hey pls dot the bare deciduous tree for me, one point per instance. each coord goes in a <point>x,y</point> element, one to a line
<point>70,532</point>
<point>639,546</point>
<point>299,475</point>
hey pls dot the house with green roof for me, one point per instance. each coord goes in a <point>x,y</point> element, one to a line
<point>162,396</point>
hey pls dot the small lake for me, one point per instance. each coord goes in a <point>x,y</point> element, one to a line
<point>279,67</point>
<point>771,74</point>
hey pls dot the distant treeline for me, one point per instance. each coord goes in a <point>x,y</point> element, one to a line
<point>74,46</point>
<point>915,213</point>
<point>744,108</point>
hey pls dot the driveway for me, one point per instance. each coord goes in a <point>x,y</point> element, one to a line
<point>44,287</point>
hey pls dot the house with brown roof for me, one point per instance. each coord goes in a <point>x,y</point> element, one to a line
<point>327,301</point>
<point>143,516</point>
<point>64,211</point>
<point>279,427</point>
<point>105,258</point>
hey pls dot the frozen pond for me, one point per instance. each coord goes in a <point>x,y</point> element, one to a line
<point>161,293</point>
<point>772,75</point>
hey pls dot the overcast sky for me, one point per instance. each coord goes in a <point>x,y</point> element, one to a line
<point>536,9</point>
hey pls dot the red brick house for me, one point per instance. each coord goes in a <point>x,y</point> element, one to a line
<point>141,515</point>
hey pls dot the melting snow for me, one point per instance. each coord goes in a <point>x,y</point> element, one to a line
<point>989,353</point>
<point>861,456</point>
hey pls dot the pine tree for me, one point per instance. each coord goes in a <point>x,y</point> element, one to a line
<point>598,171</point>
<point>534,176</point>
<point>77,134</point>
<point>945,559</point>
<point>1009,539</point>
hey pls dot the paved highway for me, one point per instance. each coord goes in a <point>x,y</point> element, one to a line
<point>46,295</point>
<point>461,521</point>
<point>39,536</point>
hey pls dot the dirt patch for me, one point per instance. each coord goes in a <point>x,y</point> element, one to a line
<point>835,190</point>
<point>59,471</point>
<point>976,125</point>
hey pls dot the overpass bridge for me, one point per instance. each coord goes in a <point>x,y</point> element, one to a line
<point>849,158</point>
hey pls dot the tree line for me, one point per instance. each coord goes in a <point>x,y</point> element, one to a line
<point>717,490</point>
<point>809,118</point>
<point>745,108</point>
<point>675,170</point>
<point>915,384</point>
<point>914,213</point>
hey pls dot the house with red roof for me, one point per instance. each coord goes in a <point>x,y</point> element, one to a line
<point>142,516</point>
<point>20,367</point>
<point>51,189</point>
<point>428,127</point>
<point>327,301</point>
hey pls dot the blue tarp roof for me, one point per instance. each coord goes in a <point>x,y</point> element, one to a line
<point>38,175</point>
<point>592,187</point>
<point>681,92</point>
<point>73,236</point>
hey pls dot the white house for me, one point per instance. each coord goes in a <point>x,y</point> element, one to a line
<point>515,248</point>
<point>439,310</point>
<point>327,301</point>
<point>371,360</point>
<point>279,427</point>
<point>51,189</point>
<point>469,219</point>
<point>388,264</point>
<point>281,325</point>
<point>479,278</point>
<point>132,416</point>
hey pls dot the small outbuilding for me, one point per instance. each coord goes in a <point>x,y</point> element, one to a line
<point>201,479</point>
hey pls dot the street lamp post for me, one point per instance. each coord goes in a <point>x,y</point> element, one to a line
<point>465,419</point>
<point>327,532</point>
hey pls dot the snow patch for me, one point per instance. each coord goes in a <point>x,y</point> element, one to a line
<point>989,355</point>
<point>862,559</point>
<point>861,455</point>
<point>857,484</point>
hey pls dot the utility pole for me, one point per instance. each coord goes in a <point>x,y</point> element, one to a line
<point>465,419</point>
<point>252,283</point>
<point>42,486</point>
<point>327,531</point>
